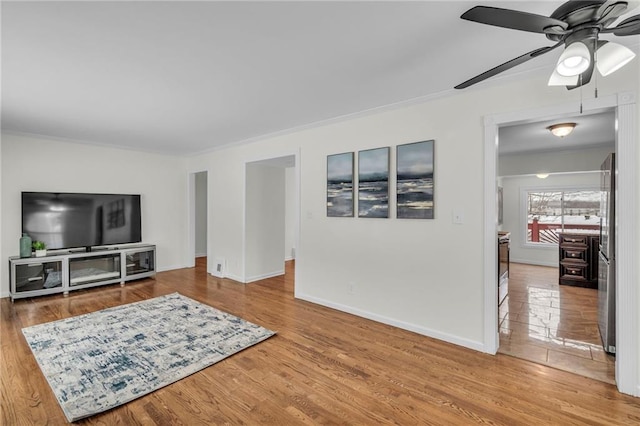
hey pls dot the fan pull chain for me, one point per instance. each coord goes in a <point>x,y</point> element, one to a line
<point>595,63</point>
<point>580,93</point>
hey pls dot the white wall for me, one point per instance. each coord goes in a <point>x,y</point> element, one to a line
<point>289,213</point>
<point>70,167</point>
<point>201,213</point>
<point>422,275</point>
<point>553,162</point>
<point>515,213</point>
<point>265,213</point>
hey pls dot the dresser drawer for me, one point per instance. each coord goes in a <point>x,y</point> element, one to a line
<point>578,259</point>
<point>574,271</point>
<point>574,253</point>
<point>574,239</point>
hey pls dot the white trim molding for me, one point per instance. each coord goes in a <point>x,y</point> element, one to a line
<point>264,276</point>
<point>627,230</point>
<point>490,253</point>
<point>627,251</point>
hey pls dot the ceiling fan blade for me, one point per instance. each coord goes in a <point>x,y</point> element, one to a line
<point>513,19</point>
<point>507,65</point>
<point>630,26</point>
<point>610,11</point>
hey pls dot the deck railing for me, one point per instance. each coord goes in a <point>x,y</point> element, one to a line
<point>548,232</point>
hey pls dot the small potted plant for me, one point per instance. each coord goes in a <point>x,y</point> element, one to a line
<point>40,248</point>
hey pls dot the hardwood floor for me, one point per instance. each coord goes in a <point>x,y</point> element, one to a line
<point>552,324</point>
<point>323,367</point>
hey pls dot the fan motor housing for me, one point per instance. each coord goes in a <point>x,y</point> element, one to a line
<point>577,14</point>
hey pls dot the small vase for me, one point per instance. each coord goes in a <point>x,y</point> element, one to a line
<point>41,253</point>
<point>25,246</point>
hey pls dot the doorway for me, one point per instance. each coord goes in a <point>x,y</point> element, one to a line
<point>198,218</point>
<point>271,216</point>
<point>627,297</point>
<point>551,188</point>
<point>201,216</point>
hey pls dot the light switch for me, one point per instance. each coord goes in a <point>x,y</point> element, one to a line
<point>458,216</point>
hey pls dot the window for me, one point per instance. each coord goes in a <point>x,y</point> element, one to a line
<point>552,211</point>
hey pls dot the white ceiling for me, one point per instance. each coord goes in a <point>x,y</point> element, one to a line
<point>187,77</point>
<point>591,131</point>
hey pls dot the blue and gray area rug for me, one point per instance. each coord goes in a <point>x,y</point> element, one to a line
<point>100,360</point>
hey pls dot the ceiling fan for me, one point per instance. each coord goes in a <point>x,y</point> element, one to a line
<point>576,25</point>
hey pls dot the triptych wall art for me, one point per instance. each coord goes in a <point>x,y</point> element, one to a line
<point>414,182</point>
<point>373,183</point>
<point>340,185</point>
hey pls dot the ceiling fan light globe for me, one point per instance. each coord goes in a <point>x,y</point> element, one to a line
<point>612,57</point>
<point>574,60</point>
<point>559,80</point>
<point>572,66</point>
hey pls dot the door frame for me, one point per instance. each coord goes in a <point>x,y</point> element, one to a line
<point>262,158</point>
<point>627,212</point>
<point>191,211</point>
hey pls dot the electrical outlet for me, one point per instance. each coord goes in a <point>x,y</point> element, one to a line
<point>352,288</point>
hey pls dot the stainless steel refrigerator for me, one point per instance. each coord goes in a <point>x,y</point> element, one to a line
<point>607,256</point>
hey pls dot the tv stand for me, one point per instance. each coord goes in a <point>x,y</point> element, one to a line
<point>65,272</point>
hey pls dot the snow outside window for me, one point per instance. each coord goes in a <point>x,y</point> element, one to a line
<point>550,212</point>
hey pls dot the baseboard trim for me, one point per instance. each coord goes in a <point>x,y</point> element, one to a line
<point>534,262</point>
<point>201,255</point>
<point>170,268</point>
<point>264,276</point>
<point>235,278</point>
<point>470,344</point>
<point>286,259</point>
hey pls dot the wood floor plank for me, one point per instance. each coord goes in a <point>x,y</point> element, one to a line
<point>323,367</point>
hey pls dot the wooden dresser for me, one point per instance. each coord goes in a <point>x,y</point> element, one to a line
<point>579,259</point>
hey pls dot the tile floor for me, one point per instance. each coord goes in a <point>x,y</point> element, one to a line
<point>553,325</point>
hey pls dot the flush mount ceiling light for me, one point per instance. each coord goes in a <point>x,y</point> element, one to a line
<point>561,129</point>
<point>542,175</point>
<point>574,25</point>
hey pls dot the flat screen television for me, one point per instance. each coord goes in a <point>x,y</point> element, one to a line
<point>75,220</point>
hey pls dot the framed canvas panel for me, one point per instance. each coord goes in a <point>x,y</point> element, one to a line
<point>373,183</point>
<point>340,185</point>
<point>414,183</point>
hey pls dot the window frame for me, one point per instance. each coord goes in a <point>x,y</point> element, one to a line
<point>524,213</point>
